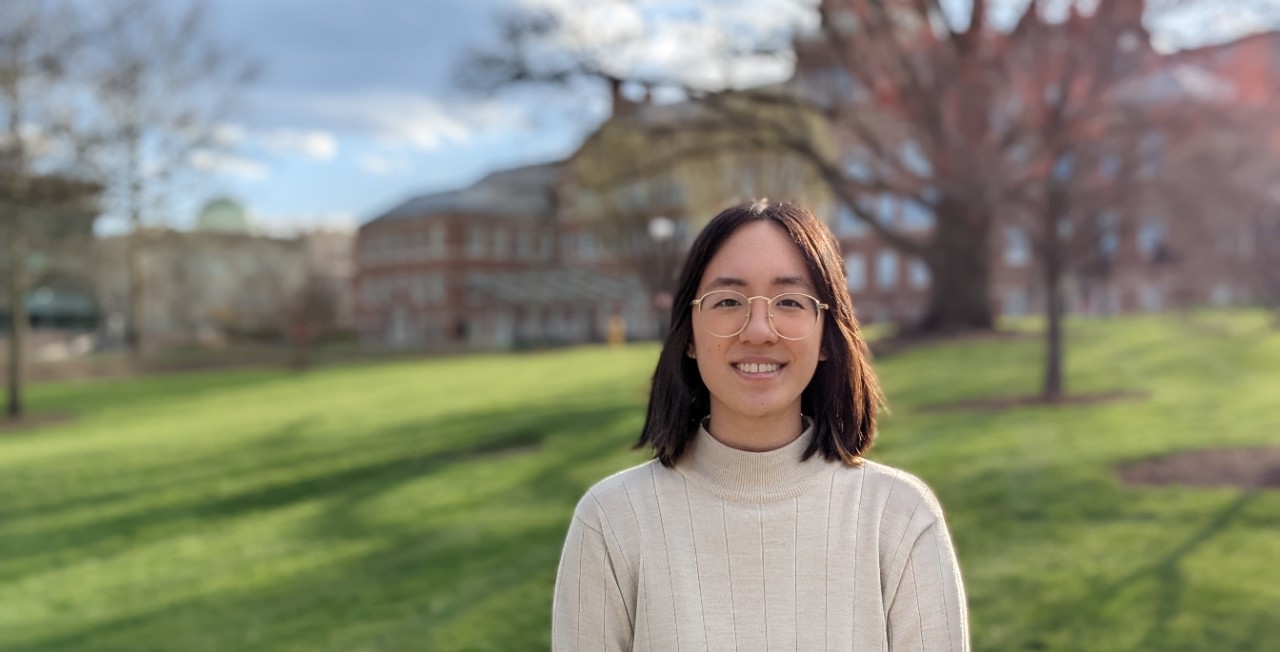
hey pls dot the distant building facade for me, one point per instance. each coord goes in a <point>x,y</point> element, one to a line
<point>220,281</point>
<point>486,267</point>
<point>516,259</point>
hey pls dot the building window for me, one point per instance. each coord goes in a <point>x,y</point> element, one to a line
<point>1015,302</point>
<point>1152,298</point>
<point>501,243</point>
<point>1150,239</point>
<point>887,270</point>
<point>847,223</point>
<point>855,272</point>
<point>439,240</point>
<point>423,250</point>
<point>855,165</point>
<point>920,277</point>
<point>419,289</point>
<point>524,245</point>
<point>438,290</point>
<point>587,249</point>
<point>886,209</point>
<point>1017,247</point>
<point>475,242</point>
<point>916,215</point>
<point>1151,148</point>
<point>914,159</point>
<point>1221,295</point>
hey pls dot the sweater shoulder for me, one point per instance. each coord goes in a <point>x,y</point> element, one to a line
<point>614,497</point>
<point>899,491</point>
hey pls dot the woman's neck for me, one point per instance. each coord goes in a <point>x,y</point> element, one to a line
<point>755,434</point>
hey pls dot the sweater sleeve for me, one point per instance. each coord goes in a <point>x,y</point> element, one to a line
<point>590,611</point>
<point>928,612</point>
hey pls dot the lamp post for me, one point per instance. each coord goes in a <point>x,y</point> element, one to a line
<point>661,231</point>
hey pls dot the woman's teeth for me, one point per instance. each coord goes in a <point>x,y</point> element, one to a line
<point>757,368</point>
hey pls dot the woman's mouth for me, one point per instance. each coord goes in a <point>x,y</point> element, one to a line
<point>759,368</point>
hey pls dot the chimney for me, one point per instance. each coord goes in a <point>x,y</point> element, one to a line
<point>621,105</point>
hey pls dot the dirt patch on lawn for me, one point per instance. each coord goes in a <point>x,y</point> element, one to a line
<point>1008,402</point>
<point>1250,468</point>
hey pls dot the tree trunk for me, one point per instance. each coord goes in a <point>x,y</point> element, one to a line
<point>133,256</point>
<point>17,309</point>
<point>959,259</point>
<point>17,253</point>
<point>1053,386</point>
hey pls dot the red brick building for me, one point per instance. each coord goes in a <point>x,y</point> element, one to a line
<point>485,267</point>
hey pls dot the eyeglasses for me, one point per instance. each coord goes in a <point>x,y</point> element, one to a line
<point>725,313</point>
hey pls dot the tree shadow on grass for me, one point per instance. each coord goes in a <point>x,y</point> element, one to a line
<point>145,393</point>
<point>1165,573</point>
<point>389,599</point>
<point>551,481</point>
<point>378,463</point>
<point>422,578</point>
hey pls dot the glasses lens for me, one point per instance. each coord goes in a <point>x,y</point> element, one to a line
<point>723,312</point>
<point>794,315</point>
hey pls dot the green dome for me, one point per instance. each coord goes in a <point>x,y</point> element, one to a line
<point>223,215</point>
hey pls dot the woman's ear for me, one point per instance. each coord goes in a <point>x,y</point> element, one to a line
<point>690,352</point>
<point>822,354</point>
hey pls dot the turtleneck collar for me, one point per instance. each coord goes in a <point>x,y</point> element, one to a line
<point>746,476</point>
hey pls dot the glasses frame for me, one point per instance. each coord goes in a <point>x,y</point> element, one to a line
<point>768,301</point>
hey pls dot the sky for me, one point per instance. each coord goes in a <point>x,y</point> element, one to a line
<point>357,109</point>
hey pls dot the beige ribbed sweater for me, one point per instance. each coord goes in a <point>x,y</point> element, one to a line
<point>733,550</point>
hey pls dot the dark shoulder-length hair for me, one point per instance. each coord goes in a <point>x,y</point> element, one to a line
<point>843,395</point>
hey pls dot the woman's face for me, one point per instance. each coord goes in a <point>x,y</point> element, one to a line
<point>756,375</point>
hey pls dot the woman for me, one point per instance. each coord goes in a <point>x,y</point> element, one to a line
<point>758,525</point>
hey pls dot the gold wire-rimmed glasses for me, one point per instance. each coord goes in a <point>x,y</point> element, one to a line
<point>725,313</point>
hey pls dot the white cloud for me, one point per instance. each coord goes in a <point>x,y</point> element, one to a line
<point>315,143</point>
<point>695,44</point>
<point>229,165</point>
<point>228,134</point>
<point>401,119</point>
<point>382,165</point>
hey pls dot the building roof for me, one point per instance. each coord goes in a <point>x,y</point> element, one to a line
<point>224,216</point>
<point>550,287</point>
<point>520,192</point>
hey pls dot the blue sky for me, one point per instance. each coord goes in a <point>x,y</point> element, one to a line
<point>356,108</point>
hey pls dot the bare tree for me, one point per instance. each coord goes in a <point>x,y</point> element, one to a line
<point>915,100</point>
<point>312,312</point>
<point>162,84</point>
<point>38,42</point>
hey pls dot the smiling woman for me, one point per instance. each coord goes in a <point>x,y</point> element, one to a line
<point>759,525</point>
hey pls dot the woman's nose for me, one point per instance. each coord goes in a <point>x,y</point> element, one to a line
<point>758,328</point>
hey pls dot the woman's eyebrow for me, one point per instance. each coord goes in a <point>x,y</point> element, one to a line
<point>731,281</point>
<point>726,281</point>
<point>791,280</point>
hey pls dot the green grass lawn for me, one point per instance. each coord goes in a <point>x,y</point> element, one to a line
<point>421,505</point>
